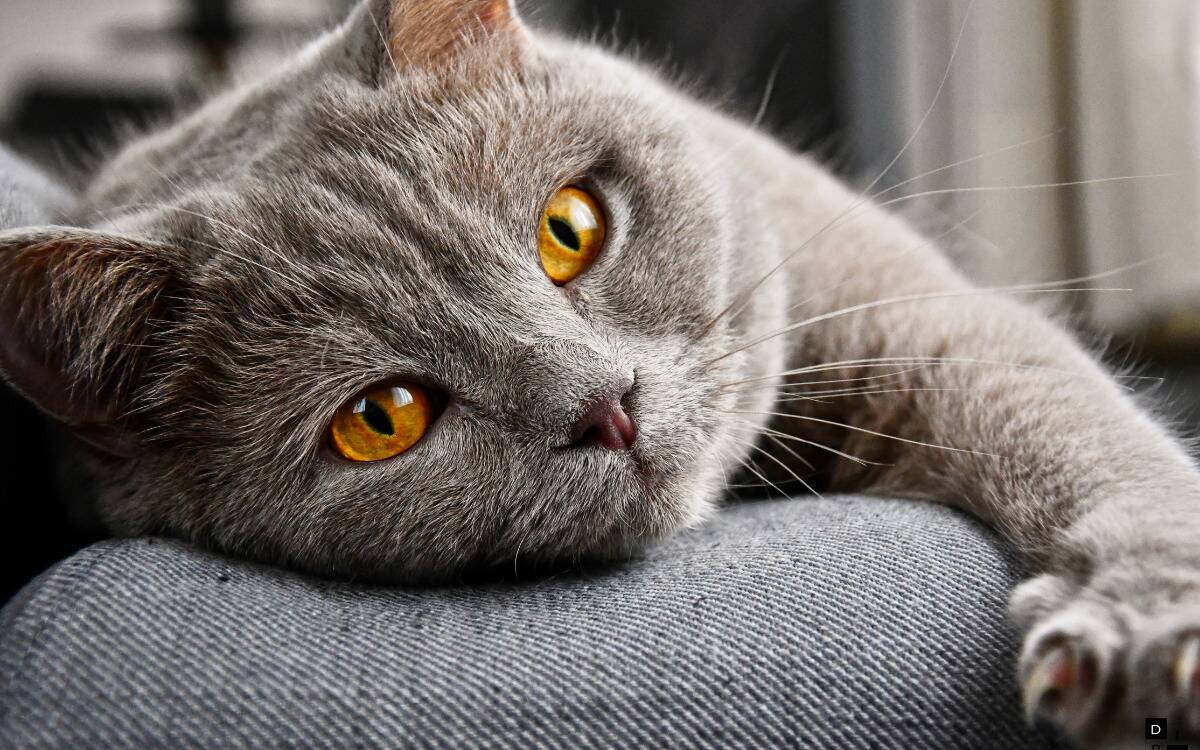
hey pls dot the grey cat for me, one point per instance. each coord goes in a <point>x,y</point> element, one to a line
<point>443,292</point>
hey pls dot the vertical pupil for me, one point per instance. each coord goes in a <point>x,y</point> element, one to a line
<point>377,418</point>
<point>564,234</point>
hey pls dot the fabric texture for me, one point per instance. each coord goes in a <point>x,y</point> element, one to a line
<point>840,623</point>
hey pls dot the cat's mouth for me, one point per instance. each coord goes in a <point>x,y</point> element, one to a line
<point>652,477</point>
<point>629,451</point>
<point>654,465</point>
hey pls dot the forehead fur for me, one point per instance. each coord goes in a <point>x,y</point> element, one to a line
<point>461,158</point>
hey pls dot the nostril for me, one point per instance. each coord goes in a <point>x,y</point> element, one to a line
<point>606,422</point>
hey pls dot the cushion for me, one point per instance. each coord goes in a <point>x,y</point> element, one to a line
<point>844,623</point>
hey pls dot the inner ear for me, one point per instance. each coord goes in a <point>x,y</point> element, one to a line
<point>421,32</point>
<point>76,309</point>
<point>390,36</point>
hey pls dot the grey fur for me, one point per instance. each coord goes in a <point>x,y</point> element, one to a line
<point>360,215</point>
<point>27,196</point>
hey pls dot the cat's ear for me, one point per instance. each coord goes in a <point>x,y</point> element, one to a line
<point>387,36</point>
<point>76,309</point>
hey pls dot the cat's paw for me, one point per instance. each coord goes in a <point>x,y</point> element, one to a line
<point>1100,658</point>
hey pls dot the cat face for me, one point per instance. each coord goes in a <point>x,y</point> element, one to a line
<point>373,216</point>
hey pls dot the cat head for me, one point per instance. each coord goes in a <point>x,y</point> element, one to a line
<point>325,319</point>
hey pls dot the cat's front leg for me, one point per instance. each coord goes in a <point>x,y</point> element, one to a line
<point>1105,506</point>
<point>978,401</point>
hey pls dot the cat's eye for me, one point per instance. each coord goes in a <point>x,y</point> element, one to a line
<point>572,234</point>
<point>382,422</point>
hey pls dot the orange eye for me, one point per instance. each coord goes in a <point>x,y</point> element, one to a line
<point>381,423</point>
<point>572,234</point>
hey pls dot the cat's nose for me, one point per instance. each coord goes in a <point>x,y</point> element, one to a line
<point>606,421</point>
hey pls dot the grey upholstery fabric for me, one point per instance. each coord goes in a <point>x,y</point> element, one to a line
<point>841,623</point>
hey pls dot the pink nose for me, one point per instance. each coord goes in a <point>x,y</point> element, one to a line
<point>606,423</point>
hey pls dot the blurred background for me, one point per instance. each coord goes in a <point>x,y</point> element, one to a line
<point>1103,95</point>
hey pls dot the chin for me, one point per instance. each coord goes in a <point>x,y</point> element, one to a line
<point>673,500</point>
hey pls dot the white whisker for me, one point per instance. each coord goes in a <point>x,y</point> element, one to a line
<point>796,439</point>
<point>758,384</point>
<point>756,433</point>
<point>768,92</point>
<point>890,261</point>
<point>864,196</point>
<point>266,248</point>
<point>919,362</point>
<point>766,482</point>
<point>932,105</point>
<point>852,212</point>
<point>864,430</point>
<point>970,160</point>
<point>387,48</point>
<point>790,451</point>
<point>788,469</point>
<point>1023,289</point>
<point>249,261</point>
<point>1019,188</point>
<point>858,392</point>
<point>750,132</point>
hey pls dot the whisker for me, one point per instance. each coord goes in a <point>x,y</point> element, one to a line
<point>790,451</point>
<point>890,261</point>
<point>863,197</point>
<point>1018,188</point>
<point>759,115</point>
<point>249,261</point>
<point>920,362</point>
<point>266,248</point>
<point>788,469</point>
<point>768,92</point>
<point>852,212</point>
<point>745,426</point>
<point>758,385</point>
<point>932,105</point>
<point>862,210</point>
<point>844,364</point>
<point>387,48</point>
<point>1023,289</point>
<point>796,439</point>
<point>755,486</point>
<point>801,388</point>
<point>1046,287</point>
<point>750,467</point>
<point>858,392</point>
<point>970,160</point>
<point>864,430</point>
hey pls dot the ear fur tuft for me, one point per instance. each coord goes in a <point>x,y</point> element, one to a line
<point>424,31</point>
<point>75,313</point>
<point>386,36</point>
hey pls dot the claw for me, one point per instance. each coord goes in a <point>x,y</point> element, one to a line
<point>1058,674</point>
<point>1187,669</point>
